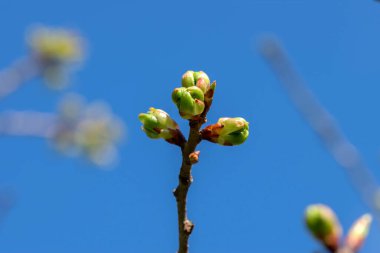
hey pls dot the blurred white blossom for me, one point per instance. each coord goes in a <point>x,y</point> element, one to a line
<point>90,130</point>
<point>56,51</point>
<point>55,44</point>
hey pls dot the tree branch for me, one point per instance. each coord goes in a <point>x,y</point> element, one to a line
<point>185,226</point>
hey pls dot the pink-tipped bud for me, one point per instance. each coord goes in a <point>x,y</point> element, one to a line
<point>358,232</point>
<point>199,79</point>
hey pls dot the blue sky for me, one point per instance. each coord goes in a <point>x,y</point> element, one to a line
<point>247,198</point>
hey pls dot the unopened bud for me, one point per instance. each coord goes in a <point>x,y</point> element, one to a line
<point>227,132</point>
<point>158,124</point>
<point>199,79</point>
<point>189,101</point>
<point>194,157</point>
<point>358,232</point>
<point>323,225</point>
<point>203,84</point>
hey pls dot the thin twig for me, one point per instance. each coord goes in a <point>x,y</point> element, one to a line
<point>7,201</point>
<point>185,226</point>
<point>28,123</point>
<point>324,125</point>
<point>16,75</point>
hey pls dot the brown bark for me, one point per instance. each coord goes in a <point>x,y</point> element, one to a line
<point>185,226</point>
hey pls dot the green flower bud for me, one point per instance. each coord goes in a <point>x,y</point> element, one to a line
<point>199,79</point>
<point>158,124</point>
<point>227,132</point>
<point>358,232</point>
<point>323,225</point>
<point>190,101</point>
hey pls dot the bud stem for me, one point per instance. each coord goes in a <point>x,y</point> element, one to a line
<point>185,226</point>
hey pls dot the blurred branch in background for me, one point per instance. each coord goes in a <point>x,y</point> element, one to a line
<point>92,131</point>
<point>324,125</point>
<point>27,123</point>
<point>13,77</point>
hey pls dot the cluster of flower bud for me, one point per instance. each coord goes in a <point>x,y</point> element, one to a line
<point>90,130</point>
<point>192,99</point>
<point>325,227</point>
<point>158,124</point>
